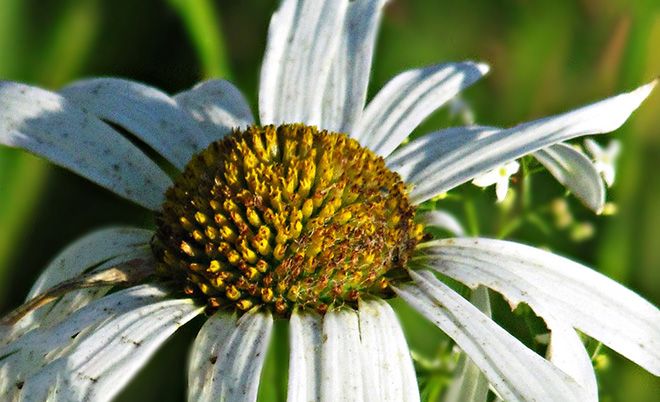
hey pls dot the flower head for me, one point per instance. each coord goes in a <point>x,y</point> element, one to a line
<point>308,216</point>
<point>285,217</point>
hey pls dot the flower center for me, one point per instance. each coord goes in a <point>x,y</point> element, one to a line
<point>285,216</point>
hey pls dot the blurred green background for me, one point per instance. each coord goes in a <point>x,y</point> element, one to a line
<point>546,57</point>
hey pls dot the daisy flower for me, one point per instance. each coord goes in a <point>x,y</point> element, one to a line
<point>307,217</point>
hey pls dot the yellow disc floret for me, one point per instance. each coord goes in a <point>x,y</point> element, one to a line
<point>285,216</point>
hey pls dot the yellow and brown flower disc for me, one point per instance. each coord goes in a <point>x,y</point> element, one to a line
<point>285,216</point>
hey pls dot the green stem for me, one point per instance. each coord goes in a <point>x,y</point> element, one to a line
<point>525,182</point>
<point>471,216</point>
<point>69,43</point>
<point>510,227</point>
<point>202,22</point>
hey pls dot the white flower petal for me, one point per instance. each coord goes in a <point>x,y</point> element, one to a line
<point>609,174</point>
<point>89,251</point>
<point>100,365</point>
<point>148,113</point>
<point>217,106</point>
<point>303,38</point>
<point>228,356</point>
<point>216,331</point>
<point>516,372</point>
<point>408,99</point>
<point>388,372</point>
<point>50,126</point>
<point>487,179</point>
<point>511,168</point>
<point>31,352</point>
<point>414,158</point>
<point>575,171</point>
<point>76,299</point>
<point>604,159</point>
<point>60,309</point>
<point>613,149</point>
<point>567,352</point>
<point>555,286</point>
<point>346,90</point>
<point>305,339</point>
<point>476,156</point>
<point>443,220</point>
<point>502,188</point>
<point>470,385</point>
<point>341,373</point>
<point>100,249</point>
<point>594,149</point>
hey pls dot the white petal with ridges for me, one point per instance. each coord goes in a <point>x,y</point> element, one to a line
<point>31,352</point>
<point>388,372</point>
<point>305,338</point>
<point>73,300</point>
<point>146,112</point>
<point>228,356</point>
<point>476,156</point>
<point>408,99</point>
<point>554,286</point>
<point>567,352</point>
<point>516,372</point>
<point>413,159</point>
<point>217,330</point>
<point>89,251</point>
<point>303,38</point>
<point>346,90</point>
<point>102,363</point>
<point>341,373</point>
<point>52,127</point>
<point>443,220</point>
<point>469,383</point>
<point>76,299</point>
<point>575,171</point>
<point>217,106</point>
<point>100,249</point>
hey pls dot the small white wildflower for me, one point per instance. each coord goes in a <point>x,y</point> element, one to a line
<point>499,177</point>
<point>604,158</point>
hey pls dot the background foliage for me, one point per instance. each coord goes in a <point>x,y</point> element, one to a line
<point>546,57</point>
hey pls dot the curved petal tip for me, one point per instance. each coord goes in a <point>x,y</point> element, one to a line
<point>645,90</point>
<point>483,67</point>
